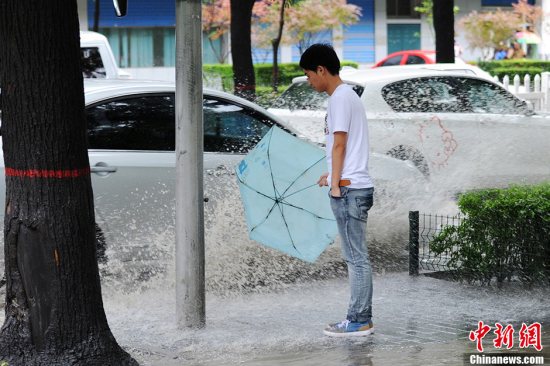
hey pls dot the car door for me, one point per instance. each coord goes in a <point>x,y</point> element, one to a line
<point>427,126</point>
<point>462,129</point>
<point>131,150</point>
<point>513,140</point>
<point>131,144</point>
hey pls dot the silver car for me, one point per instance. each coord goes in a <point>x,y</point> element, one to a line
<point>131,138</point>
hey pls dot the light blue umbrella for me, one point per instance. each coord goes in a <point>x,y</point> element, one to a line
<point>285,209</point>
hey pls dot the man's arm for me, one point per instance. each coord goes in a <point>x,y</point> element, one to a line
<point>338,154</point>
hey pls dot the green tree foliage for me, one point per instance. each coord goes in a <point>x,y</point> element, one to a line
<point>304,21</point>
<point>426,8</point>
<point>489,30</point>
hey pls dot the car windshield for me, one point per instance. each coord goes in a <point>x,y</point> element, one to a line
<point>302,96</point>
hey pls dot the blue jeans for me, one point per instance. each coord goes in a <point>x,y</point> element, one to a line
<point>351,212</point>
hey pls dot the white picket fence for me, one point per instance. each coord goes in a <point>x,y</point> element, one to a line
<point>535,91</point>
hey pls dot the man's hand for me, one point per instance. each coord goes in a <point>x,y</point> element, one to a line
<point>335,192</point>
<point>323,182</point>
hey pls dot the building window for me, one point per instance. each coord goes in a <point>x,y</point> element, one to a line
<point>142,47</point>
<point>402,9</point>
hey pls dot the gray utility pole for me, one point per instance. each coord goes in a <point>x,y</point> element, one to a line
<point>190,296</point>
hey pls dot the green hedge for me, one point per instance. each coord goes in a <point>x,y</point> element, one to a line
<point>501,72</point>
<point>263,73</point>
<point>512,67</point>
<point>221,70</point>
<point>505,233</point>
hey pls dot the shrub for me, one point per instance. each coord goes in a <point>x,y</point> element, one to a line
<point>263,73</point>
<point>513,64</point>
<point>224,71</point>
<point>287,72</point>
<point>505,233</point>
<point>501,72</point>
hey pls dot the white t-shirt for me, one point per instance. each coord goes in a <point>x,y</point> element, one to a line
<point>345,113</point>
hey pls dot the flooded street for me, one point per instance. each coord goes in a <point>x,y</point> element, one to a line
<point>418,321</point>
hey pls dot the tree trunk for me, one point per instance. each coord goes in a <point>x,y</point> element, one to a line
<point>443,16</point>
<point>275,43</point>
<point>241,48</point>
<point>54,309</point>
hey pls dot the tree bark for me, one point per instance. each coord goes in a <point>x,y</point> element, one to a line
<point>275,43</point>
<point>54,308</point>
<point>443,17</point>
<point>241,48</point>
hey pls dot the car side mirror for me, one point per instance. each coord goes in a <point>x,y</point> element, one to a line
<point>121,7</point>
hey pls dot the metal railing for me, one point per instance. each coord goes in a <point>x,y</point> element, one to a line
<point>422,229</point>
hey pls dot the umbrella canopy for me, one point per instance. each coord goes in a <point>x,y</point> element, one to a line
<point>527,37</point>
<point>285,209</point>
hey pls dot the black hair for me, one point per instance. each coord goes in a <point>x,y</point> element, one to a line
<point>320,54</point>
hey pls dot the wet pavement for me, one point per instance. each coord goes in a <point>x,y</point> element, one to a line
<point>418,321</point>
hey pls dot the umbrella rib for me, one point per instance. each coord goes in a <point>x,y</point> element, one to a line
<point>303,209</point>
<point>303,189</point>
<point>275,192</point>
<point>301,175</point>
<point>287,229</point>
<point>248,186</point>
<point>266,217</point>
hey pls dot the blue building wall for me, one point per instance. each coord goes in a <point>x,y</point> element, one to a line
<point>359,37</point>
<point>143,17</point>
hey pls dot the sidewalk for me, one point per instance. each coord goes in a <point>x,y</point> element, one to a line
<point>418,321</point>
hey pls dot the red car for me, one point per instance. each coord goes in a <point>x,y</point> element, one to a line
<point>408,57</point>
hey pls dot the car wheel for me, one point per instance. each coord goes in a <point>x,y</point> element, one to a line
<point>402,152</point>
<point>101,245</point>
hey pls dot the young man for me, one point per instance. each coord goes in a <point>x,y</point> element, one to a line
<point>351,188</point>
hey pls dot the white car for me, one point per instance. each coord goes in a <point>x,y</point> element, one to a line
<point>458,67</point>
<point>131,137</point>
<point>97,57</point>
<point>461,130</point>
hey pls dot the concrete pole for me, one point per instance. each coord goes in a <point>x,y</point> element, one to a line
<point>190,294</point>
<point>83,14</point>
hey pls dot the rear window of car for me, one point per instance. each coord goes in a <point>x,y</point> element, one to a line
<point>415,60</point>
<point>303,97</point>
<point>393,61</point>
<point>450,95</point>
<point>422,95</point>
